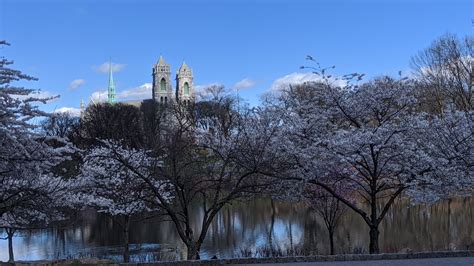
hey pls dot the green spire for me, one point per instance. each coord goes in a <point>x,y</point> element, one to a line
<point>111,89</point>
<point>83,107</point>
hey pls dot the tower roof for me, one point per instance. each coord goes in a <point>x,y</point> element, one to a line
<point>183,67</point>
<point>161,61</point>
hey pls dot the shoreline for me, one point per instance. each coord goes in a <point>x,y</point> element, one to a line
<point>236,261</point>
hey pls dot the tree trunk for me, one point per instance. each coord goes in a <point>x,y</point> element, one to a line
<point>126,252</point>
<point>374,240</point>
<point>10,233</point>
<point>193,252</point>
<point>374,224</point>
<point>331,241</point>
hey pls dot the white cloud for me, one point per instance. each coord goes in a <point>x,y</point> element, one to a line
<point>99,96</point>
<point>141,92</point>
<point>300,78</point>
<point>105,67</point>
<point>244,84</point>
<point>70,110</point>
<point>138,93</point>
<point>76,84</point>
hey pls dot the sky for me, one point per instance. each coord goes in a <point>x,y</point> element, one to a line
<point>252,46</point>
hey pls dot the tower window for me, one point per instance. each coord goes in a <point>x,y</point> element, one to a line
<point>163,84</point>
<point>161,100</point>
<point>186,88</point>
<point>166,100</point>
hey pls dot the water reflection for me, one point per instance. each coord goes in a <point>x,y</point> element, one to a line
<point>258,223</point>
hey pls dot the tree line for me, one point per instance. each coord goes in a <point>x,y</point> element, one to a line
<point>339,144</point>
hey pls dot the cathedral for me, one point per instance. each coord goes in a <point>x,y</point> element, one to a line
<point>162,90</point>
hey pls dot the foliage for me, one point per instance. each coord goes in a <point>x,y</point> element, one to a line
<point>120,122</point>
<point>372,138</point>
<point>339,143</point>
<point>110,179</point>
<point>445,71</point>
<point>30,194</point>
<point>60,125</point>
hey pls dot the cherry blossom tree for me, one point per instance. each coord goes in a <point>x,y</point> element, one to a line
<point>448,140</point>
<point>29,192</point>
<point>376,138</point>
<point>211,160</point>
<point>111,182</point>
<point>40,201</point>
<point>206,155</point>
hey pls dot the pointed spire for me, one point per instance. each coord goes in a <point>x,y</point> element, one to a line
<point>111,88</point>
<point>183,67</point>
<point>161,61</point>
<point>83,107</point>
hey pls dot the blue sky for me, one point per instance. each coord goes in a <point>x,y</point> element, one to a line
<point>254,42</point>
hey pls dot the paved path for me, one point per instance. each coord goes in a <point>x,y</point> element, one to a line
<point>457,261</point>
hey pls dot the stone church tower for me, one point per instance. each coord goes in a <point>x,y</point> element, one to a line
<point>162,89</point>
<point>184,84</point>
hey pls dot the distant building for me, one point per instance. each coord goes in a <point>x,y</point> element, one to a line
<point>162,89</point>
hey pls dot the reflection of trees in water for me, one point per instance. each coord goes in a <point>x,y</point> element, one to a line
<point>442,226</point>
<point>258,223</point>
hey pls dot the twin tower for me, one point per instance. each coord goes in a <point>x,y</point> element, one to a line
<point>162,88</point>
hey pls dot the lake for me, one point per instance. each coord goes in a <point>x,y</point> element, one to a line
<point>243,228</point>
